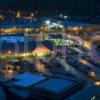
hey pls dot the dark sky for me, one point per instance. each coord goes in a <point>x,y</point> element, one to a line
<point>41,3</point>
<point>50,4</point>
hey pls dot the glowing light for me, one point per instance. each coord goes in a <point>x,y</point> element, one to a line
<point>76,28</point>
<point>65,16</point>
<point>18,15</point>
<point>9,52</point>
<point>1,17</point>
<point>10,71</point>
<point>87,45</point>
<point>27,30</point>
<point>41,51</point>
<point>25,54</point>
<point>92,74</point>
<point>40,67</point>
<point>84,62</point>
<point>32,14</point>
<point>93,98</point>
<point>47,22</point>
<point>97,83</point>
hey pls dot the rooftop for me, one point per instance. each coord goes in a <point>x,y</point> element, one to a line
<point>87,93</point>
<point>26,80</point>
<point>78,24</point>
<point>26,25</point>
<point>26,84</point>
<point>55,85</point>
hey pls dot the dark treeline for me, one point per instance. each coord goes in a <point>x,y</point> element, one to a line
<point>65,6</point>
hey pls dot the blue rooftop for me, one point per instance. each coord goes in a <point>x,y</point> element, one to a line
<point>77,24</point>
<point>28,25</point>
<point>27,79</point>
<point>19,92</point>
<point>86,94</point>
<point>55,36</point>
<point>2,94</point>
<point>55,85</point>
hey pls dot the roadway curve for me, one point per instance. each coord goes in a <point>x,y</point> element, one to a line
<point>95,40</point>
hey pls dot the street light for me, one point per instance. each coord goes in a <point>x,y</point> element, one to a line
<point>97,83</point>
<point>47,22</point>
<point>10,71</point>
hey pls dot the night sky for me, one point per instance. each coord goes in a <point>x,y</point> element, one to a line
<point>70,5</point>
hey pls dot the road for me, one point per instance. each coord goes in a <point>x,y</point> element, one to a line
<point>71,69</point>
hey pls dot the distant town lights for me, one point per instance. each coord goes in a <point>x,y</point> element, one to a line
<point>32,14</point>
<point>65,16</point>
<point>18,15</point>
